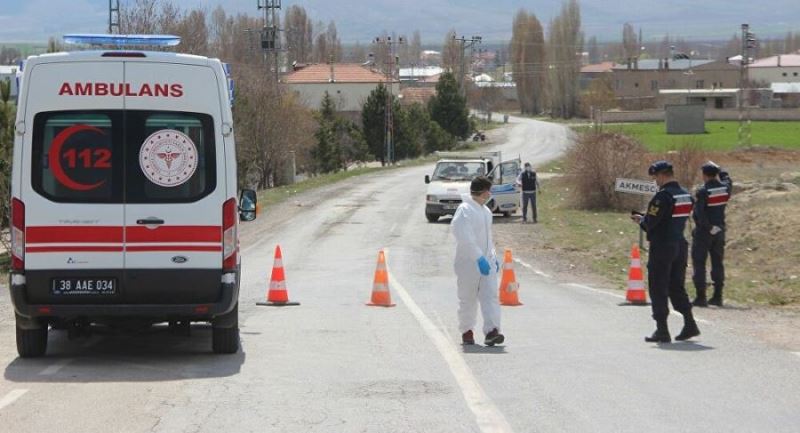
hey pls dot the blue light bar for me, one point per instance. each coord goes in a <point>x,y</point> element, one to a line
<point>122,40</point>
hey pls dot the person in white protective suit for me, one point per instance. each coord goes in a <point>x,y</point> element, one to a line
<point>476,264</point>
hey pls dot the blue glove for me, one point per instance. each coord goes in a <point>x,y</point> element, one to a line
<point>483,265</point>
<point>496,266</point>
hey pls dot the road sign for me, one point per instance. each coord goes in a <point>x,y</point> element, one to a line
<point>635,186</point>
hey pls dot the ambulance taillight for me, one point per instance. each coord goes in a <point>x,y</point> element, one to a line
<point>17,235</point>
<point>230,242</point>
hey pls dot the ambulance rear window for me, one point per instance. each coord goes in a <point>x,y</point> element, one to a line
<point>118,156</point>
<point>77,156</point>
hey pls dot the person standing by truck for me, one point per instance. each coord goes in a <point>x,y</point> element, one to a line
<point>530,187</point>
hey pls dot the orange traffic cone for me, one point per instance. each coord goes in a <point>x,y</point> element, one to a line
<point>380,285</point>
<point>636,293</point>
<point>277,295</point>
<point>508,284</point>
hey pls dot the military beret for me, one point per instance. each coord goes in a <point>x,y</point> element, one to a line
<point>658,167</point>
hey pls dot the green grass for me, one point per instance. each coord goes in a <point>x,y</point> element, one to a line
<point>719,136</point>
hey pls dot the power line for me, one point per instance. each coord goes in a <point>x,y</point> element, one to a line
<point>389,72</point>
<point>113,16</point>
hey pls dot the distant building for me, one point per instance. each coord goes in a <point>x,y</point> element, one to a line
<point>777,69</point>
<point>590,73</point>
<point>349,84</point>
<point>638,85</point>
<point>418,75</point>
<point>788,94</point>
<point>10,73</point>
<point>416,95</point>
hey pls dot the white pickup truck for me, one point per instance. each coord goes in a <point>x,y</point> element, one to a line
<point>452,177</point>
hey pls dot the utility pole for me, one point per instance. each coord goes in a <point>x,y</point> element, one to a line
<point>270,34</point>
<point>466,43</point>
<point>113,16</point>
<point>389,73</point>
<point>748,43</point>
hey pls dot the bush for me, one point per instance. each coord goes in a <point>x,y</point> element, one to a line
<point>686,160</point>
<point>594,163</point>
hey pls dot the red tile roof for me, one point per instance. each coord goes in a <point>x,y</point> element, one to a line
<point>411,95</point>
<point>597,68</point>
<point>342,73</point>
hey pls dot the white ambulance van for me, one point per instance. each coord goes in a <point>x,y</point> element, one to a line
<point>124,194</point>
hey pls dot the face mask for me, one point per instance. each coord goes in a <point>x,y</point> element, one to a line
<point>528,169</point>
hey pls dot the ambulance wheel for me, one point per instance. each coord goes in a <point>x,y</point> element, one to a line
<point>432,218</point>
<point>225,337</point>
<point>31,343</point>
<point>506,214</point>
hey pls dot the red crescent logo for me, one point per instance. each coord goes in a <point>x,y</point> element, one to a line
<point>54,157</point>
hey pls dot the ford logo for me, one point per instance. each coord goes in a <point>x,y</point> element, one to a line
<point>179,259</point>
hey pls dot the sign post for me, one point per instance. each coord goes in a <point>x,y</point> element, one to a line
<point>642,188</point>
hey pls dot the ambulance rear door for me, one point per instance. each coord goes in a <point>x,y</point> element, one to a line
<point>71,184</point>
<point>175,183</point>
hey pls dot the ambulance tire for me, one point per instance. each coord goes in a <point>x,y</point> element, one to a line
<point>432,218</point>
<point>506,214</point>
<point>226,339</point>
<point>31,343</point>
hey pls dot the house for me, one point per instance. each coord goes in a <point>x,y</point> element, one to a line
<point>590,73</point>
<point>638,84</point>
<point>416,95</point>
<point>788,94</point>
<point>349,84</point>
<point>419,75</point>
<point>777,69</point>
<point>10,73</point>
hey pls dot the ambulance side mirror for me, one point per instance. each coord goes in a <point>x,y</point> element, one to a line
<point>427,179</point>
<point>248,205</point>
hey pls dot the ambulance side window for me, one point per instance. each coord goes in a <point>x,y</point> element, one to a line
<point>171,157</point>
<point>77,156</point>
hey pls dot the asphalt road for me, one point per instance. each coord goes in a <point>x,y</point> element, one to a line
<point>574,359</point>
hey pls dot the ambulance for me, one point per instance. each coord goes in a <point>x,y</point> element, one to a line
<point>124,203</point>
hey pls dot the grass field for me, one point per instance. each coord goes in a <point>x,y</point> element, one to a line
<point>719,136</point>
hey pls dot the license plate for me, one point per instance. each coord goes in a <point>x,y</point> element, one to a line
<point>450,206</point>
<point>83,286</point>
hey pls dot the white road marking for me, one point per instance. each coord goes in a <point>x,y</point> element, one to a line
<point>55,368</point>
<point>11,397</point>
<point>535,271</point>
<point>697,319</point>
<point>487,415</point>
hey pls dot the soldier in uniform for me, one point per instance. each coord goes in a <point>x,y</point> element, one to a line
<point>708,237</point>
<point>664,223</point>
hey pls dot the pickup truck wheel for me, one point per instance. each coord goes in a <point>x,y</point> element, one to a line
<point>226,339</point>
<point>431,217</point>
<point>31,343</point>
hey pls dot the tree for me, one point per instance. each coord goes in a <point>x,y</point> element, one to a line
<point>7,116</point>
<point>594,50</point>
<point>299,35</point>
<point>410,140</point>
<point>448,107</point>
<point>528,62</point>
<point>326,152</point>
<point>630,45</point>
<point>451,52</point>
<point>565,48</point>
<point>373,121</point>
<point>599,96</point>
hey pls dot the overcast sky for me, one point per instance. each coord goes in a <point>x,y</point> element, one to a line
<point>361,20</point>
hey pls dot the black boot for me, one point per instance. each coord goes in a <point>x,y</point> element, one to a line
<point>662,333</point>
<point>717,298</point>
<point>700,300</point>
<point>690,328</point>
